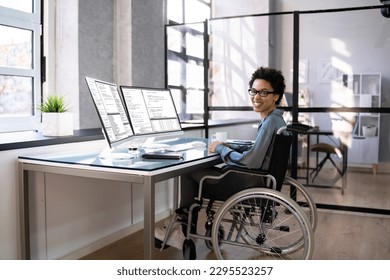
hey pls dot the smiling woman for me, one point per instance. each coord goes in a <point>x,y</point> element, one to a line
<point>266,90</point>
<point>256,156</point>
<point>264,100</point>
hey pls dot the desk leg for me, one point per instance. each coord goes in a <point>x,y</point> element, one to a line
<point>308,159</point>
<point>176,193</point>
<point>24,214</point>
<point>149,209</point>
<point>374,168</point>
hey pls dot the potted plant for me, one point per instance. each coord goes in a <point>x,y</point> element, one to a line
<point>56,118</point>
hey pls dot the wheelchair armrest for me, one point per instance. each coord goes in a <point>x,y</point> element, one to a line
<point>298,128</point>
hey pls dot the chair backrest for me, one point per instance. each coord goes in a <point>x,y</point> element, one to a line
<point>280,156</point>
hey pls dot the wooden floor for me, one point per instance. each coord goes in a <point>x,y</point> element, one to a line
<point>363,189</point>
<point>339,236</point>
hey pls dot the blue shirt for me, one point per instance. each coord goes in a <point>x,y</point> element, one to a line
<point>256,156</point>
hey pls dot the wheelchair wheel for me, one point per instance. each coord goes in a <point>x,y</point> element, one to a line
<point>189,250</point>
<point>262,224</point>
<point>301,195</point>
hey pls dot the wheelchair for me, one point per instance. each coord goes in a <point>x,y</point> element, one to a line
<point>275,220</point>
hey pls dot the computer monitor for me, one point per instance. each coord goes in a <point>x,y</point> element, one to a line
<point>152,112</point>
<point>111,111</point>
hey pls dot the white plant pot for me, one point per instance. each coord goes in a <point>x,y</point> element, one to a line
<point>57,124</point>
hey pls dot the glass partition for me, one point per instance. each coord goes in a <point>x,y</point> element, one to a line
<point>342,56</point>
<point>237,47</point>
<point>367,181</point>
<point>345,69</point>
<point>341,86</point>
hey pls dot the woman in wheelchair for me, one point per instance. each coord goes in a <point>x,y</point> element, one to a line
<point>266,89</point>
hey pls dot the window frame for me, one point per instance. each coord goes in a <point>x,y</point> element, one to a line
<point>32,22</point>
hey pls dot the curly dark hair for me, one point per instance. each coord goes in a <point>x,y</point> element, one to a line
<point>274,77</point>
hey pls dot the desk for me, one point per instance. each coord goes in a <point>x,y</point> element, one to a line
<point>138,171</point>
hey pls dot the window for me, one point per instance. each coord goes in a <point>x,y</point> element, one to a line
<point>20,64</point>
<point>185,55</point>
<point>187,11</point>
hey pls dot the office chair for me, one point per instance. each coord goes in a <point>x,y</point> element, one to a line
<point>329,150</point>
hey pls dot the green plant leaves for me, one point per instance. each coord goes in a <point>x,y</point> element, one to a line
<point>53,104</point>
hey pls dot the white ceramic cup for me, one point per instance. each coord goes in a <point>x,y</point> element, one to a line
<point>219,136</point>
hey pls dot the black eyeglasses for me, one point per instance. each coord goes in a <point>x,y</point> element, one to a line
<point>262,93</point>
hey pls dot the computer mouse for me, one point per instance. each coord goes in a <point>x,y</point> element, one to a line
<point>198,144</point>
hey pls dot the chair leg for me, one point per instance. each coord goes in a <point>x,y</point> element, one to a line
<point>335,165</point>
<point>318,168</point>
<point>343,183</point>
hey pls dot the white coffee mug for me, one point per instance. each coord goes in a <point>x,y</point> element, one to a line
<point>219,136</point>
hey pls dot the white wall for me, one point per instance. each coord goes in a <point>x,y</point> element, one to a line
<point>67,55</point>
<point>9,219</point>
<point>80,212</point>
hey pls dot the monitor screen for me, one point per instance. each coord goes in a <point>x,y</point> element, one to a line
<point>111,110</point>
<point>151,110</point>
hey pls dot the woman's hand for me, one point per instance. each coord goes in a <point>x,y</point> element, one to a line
<point>213,144</point>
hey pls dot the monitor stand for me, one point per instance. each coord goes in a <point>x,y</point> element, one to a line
<point>150,143</point>
<point>118,154</point>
